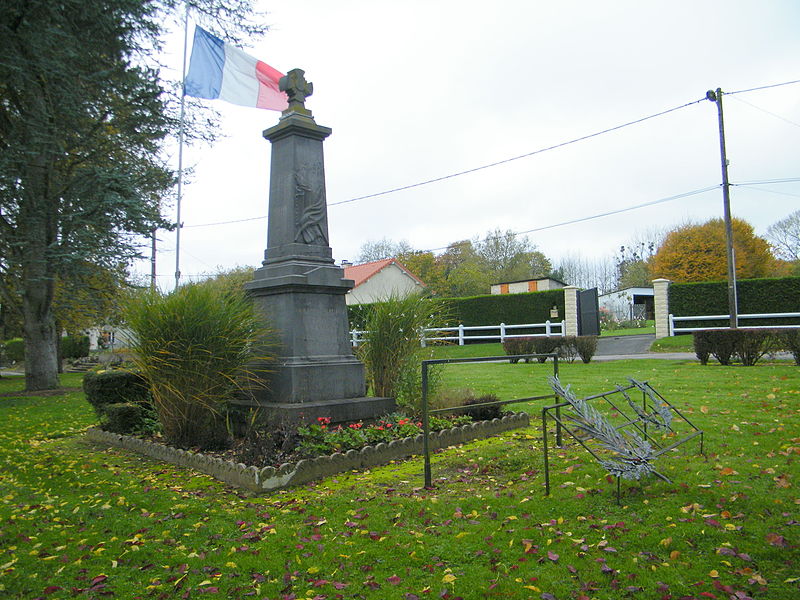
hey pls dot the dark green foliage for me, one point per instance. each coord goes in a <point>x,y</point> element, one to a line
<point>546,345</point>
<point>746,345</point>
<point>483,413</point>
<point>127,417</point>
<point>511,309</point>
<point>14,350</point>
<point>516,346</point>
<point>104,388</point>
<point>74,346</point>
<point>789,340</point>
<point>755,296</point>
<point>702,346</point>
<point>586,346</point>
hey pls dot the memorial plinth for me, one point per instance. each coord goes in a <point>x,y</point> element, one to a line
<point>299,289</point>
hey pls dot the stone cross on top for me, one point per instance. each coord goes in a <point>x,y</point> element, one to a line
<point>297,89</point>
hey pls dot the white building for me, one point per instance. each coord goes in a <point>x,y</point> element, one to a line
<point>377,280</point>
<point>629,304</point>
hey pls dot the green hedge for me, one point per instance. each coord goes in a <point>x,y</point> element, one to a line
<point>754,296</point>
<point>511,309</point>
<point>106,387</point>
<point>14,350</point>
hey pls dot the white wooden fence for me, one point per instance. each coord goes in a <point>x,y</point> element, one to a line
<point>451,334</point>
<point>673,319</point>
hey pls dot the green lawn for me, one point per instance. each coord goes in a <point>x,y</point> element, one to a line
<point>83,521</point>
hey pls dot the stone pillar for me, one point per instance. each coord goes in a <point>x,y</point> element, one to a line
<point>661,305</point>
<point>299,289</point>
<point>571,309</point>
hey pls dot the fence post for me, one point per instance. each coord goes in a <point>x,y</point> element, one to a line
<point>502,332</point>
<point>661,304</point>
<point>547,328</point>
<point>671,325</point>
<point>461,334</point>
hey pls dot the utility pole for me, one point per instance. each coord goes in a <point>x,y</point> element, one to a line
<point>716,97</point>
<point>153,259</point>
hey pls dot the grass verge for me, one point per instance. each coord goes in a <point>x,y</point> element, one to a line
<point>77,519</point>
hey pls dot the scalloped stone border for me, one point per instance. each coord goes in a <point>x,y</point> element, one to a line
<point>267,479</point>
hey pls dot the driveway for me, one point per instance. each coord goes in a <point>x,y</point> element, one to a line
<point>624,344</point>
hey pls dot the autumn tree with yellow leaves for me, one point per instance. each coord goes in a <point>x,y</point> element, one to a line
<point>693,253</point>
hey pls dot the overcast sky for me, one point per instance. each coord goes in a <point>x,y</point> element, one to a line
<point>422,89</point>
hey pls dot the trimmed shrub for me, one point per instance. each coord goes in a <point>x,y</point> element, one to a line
<point>746,345</point>
<point>483,413</point>
<point>516,346</point>
<point>723,344</point>
<point>702,346</point>
<point>568,348</point>
<point>755,296</point>
<point>127,417</point>
<point>789,340</point>
<point>74,346</point>
<point>15,350</point>
<point>546,345</point>
<point>586,346</point>
<point>751,345</point>
<point>108,387</point>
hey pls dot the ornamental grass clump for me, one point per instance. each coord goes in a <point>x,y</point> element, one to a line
<point>197,347</point>
<point>392,351</point>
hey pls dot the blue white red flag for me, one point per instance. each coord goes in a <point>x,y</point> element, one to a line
<point>219,70</point>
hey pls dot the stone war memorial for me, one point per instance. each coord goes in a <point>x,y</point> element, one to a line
<point>299,290</point>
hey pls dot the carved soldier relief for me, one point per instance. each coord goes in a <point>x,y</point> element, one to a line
<point>309,208</point>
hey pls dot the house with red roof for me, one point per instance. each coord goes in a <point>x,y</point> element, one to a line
<point>379,279</point>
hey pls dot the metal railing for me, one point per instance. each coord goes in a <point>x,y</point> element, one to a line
<point>673,319</point>
<point>460,333</point>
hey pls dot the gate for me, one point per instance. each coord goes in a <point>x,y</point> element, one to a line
<point>588,312</point>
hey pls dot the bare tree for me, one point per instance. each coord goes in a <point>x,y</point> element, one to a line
<point>784,235</point>
<point>372,250</point>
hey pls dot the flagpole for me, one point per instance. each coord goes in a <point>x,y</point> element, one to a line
<point>180,151</point>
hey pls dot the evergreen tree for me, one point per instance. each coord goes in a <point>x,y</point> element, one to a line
<point>83,115</point>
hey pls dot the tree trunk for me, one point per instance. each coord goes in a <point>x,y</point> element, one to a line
<point>41,360</point>
<point>38,279</point>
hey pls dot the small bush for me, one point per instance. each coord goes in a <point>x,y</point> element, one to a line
<point>546,345</point>
<point>15,350</point>
<point>702,346</point>
<point>723,344</point>
<point>128,417</point>
<point>517,346</point>
<point>586,346</point>
<point>108,387</point>
<point>568,348</point>
<point>789,340</point>
<point>751,345</point>
<point>745,345</point>
<point>74,346</point>
<point>483,413</point>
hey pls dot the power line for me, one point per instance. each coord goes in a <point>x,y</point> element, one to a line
<point>763,87</point>
<point>482,167</point>
<point>605,214</point>
<point>508,160</point>
<point>764,110</point>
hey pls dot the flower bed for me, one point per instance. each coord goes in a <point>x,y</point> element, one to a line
<point>266,479</point>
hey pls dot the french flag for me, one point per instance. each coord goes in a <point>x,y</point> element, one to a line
<point>219,70</point>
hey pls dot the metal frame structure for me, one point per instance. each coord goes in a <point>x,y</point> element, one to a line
<point>635,421</point>
<point>442,361</point>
